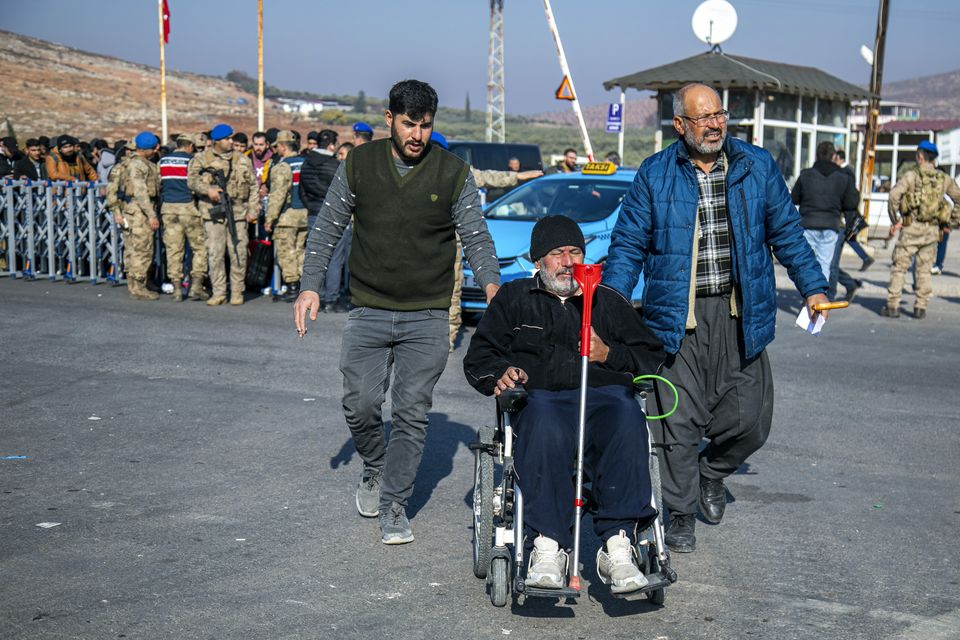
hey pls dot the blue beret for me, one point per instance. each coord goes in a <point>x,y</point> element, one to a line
<point>220,132</point>
<point>926,145</point>
<point>438,139</point>
<point>146,140</point>
<point>362,127</point>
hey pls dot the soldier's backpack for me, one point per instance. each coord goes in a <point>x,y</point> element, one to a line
<point>929,203</point>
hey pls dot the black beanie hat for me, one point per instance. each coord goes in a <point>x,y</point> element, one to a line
<point>552,232</point>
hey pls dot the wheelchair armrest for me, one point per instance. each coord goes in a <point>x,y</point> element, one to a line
<point>512,400</point>
<point>643,387</point>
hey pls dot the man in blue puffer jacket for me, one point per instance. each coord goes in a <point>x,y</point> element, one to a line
<point>700,221</point>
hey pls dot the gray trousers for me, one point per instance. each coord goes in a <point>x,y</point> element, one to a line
<point>724,398</point>
<point>414,345</point>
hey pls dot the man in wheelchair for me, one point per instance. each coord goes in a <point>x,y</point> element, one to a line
<point>530,335</point>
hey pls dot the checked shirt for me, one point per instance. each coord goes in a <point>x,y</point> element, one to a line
<point>713,259</point>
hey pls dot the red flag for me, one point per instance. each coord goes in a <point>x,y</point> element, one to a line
<point>166,23</point>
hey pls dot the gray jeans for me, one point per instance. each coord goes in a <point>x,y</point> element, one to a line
<point>414,344</point>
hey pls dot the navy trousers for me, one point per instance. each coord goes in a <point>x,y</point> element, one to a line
<point>616,459</point>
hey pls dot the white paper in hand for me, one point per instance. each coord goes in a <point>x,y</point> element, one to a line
<point>805,323</point>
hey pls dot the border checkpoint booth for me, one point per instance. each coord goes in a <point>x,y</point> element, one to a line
<point>786,109</point>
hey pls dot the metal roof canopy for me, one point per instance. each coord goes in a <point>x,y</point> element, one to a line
<point>722,71</point>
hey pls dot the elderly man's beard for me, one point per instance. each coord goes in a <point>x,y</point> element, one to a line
<point>563,287</point>
<point>700,144</point>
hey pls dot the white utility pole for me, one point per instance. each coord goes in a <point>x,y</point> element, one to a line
<point>565,68</point>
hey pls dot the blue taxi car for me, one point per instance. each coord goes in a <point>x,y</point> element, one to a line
<point>591,197</point>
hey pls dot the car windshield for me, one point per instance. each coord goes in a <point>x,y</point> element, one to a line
<point>581,200</point>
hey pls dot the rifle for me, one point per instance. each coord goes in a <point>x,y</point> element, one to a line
<point>223,210</point>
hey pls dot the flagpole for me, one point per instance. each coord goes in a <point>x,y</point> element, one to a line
<point>259,65</point>
<point>163,79</point>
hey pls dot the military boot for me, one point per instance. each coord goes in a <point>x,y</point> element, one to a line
<point>293,291</point>
<point>218,298</point>
<point>197,291</point>
<point>177,290</point>
<point>236,298</point>
<point>137,288</point>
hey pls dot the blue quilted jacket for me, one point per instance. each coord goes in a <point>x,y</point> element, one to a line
<point>655,233</point>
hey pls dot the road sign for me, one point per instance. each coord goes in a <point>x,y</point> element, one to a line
<point>565,91</point>
<point>615,118</point>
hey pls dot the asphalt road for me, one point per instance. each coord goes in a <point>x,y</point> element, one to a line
<point>198,465</point>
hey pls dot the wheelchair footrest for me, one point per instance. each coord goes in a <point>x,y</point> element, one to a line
<point>655,581</point>
<point>536,592</point>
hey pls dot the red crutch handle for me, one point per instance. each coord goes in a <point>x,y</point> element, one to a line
<point>588,275</point>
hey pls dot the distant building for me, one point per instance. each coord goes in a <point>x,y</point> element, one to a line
<point>889,111</point>
<point>305,107</point>
<point>786,109</point>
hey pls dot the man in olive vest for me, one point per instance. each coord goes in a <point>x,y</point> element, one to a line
<point>924,216</point>
<point>142,187</point>
<point>221,161</point>
<point>410,200</point>
<point>286,213</point>
<point>181,221</point>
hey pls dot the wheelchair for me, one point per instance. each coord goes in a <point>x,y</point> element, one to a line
<point>498,535</point>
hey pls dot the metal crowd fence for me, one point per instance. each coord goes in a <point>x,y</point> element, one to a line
<point>58,231</point>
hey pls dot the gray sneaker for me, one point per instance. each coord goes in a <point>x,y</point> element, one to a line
<point>394,526</point>
<point>368,493</point>
<point>548,564</point>
<point>617,566</point>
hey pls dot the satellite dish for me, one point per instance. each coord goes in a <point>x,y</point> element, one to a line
<point>714,22</point>
<point>867,54</point>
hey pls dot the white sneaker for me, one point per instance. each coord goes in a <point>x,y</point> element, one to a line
<point>935,270</point>
<point>617,566</point>
<point>548,564</point>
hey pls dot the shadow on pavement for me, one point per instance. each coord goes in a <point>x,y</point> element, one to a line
<point>443,439</point>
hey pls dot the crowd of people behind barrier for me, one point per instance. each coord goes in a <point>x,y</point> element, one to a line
<point>168,234</point>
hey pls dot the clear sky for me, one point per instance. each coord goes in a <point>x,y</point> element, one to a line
<point>344,46</point>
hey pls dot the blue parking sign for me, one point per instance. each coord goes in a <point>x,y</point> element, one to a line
<point>615,118</point>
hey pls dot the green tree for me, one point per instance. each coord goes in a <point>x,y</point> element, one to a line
<point>360,104</point>
<point>466,108</point>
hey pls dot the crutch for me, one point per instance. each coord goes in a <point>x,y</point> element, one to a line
<point>588,275</point>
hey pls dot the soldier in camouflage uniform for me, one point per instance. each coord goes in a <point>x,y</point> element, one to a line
<point>484,178</point>
<point>141,184</point>
<point>924,216</point>
<point>286,213</point>
<point>181,220</point>
<point>242,195</point>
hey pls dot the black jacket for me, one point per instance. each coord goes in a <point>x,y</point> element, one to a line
<point>316,174</point>
<point>526,326</point>
<point>826,196</point>
<point>24,168</point>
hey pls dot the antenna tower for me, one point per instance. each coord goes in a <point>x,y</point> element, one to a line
<point>496,109</point>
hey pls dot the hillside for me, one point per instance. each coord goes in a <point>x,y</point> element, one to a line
<point>938,95</point>
<point>49,89</point>
<point>638,113</point>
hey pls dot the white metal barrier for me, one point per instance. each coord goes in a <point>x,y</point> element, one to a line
<point>58,231</point>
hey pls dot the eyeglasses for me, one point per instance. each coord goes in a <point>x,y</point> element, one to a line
<point>719,117</point>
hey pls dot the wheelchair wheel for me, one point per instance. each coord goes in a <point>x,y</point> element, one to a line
<point>657,596</point>
<point>482,504</point>
<point>499,581</point>
<point>655,480</point>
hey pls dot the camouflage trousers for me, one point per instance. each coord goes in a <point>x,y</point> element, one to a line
<point>137,244</point>
<point>182,222</point>
<point>290,239</point>
<point>918,240</point>
<point>220,243</point>
<point>456,316</point>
